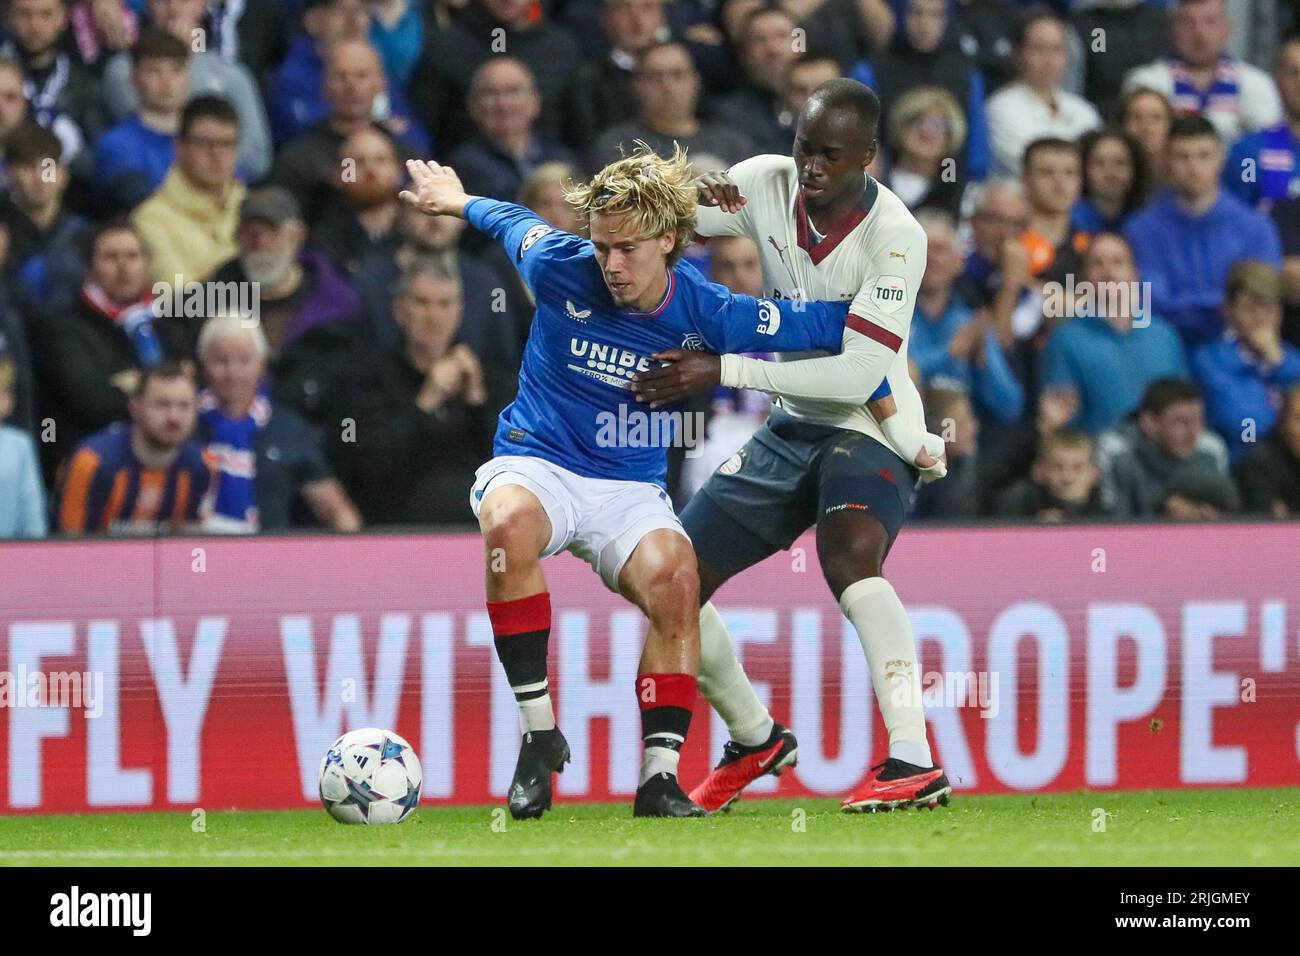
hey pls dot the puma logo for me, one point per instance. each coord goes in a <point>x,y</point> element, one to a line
<point>900,255</point>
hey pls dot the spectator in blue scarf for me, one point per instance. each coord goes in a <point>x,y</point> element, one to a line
<point>264,458</point>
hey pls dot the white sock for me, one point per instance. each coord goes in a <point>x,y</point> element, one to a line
<point>535,713</point>
<point>724,684</point>
<point>656,760</point>
<point>883,627</point>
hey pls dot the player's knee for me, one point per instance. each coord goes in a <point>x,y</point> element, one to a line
<point>511,532</point>
<point>852,558</point>
<point>673,593</point>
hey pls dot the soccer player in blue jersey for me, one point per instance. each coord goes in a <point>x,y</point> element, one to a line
<point>579,466</point>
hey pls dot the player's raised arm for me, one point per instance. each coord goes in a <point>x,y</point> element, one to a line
<point>437,191</point>
<point>724,197</point>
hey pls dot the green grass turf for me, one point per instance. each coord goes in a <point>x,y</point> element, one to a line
<point>1202,827</point>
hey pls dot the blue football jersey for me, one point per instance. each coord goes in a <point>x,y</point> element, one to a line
<point>575,407</point>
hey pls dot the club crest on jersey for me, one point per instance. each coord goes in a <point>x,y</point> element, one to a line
<point>732,464</point>
<point>607,363</point>
<point>692,342</point>
<point>769,317</point>
<point>531,237</point>
<point>891,293</point>
<point>579,315</point>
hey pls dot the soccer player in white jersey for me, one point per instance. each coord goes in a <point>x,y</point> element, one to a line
<point>562,479</point>
<point>843,447</point>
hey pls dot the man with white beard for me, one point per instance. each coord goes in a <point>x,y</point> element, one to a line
<point>311,315</point>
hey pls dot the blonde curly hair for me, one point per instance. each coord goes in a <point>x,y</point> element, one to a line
<point>656,194</point>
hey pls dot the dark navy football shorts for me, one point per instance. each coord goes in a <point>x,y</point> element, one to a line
<point>785,479</point>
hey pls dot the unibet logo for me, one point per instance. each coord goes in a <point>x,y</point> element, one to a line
<point>608,363</point>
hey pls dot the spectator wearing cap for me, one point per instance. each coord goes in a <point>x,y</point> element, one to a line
<point>1166,439</point>
<point>264,457</point>
<point>1269,474</point>
<point>1263,167</point>
<point>666,87</point>
<point>424,412</point>
<point>1035,106</point>
<point>505,104</point>
<point>1245,373</point>
<point>1202,78</point>
<point>1191,235</point>
<point>89,354</point>
<point>925,130</point>
<point>924,54</point>
<point>309,312</point>
<point>309,165</point>
<point>1102,360</point>
<point>949,341</point>
<point>363,219</point>
<point>132,158</point>
<point>440,86</point>
<point>189,223</point>
<point>210,75</point>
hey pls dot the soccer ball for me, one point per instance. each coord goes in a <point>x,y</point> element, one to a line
<point>370,776</point>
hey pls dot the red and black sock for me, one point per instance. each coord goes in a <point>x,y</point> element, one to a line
<point>521,630</point>
<point>666,702</point>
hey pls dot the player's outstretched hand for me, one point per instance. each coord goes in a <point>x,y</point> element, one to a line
<point>717,189</point>
<point>435,190</point>
<point>683,373</point>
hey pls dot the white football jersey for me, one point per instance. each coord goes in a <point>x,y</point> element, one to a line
<point>874,257</point>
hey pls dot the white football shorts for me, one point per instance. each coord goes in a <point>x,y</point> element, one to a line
<point>599,520</point>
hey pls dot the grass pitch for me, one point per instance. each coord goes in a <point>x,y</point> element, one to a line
<point>1150,828</point>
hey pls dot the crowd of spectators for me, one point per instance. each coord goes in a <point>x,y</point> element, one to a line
<point>1108,326</point>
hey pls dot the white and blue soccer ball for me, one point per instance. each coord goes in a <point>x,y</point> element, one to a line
<point>370,776</point>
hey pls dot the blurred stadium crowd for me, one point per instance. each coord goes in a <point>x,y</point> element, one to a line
<point>1109,324</point>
